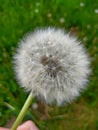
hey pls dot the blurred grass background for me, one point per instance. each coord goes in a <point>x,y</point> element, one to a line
<point>17,17</point>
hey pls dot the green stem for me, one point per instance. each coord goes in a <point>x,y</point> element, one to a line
<point>22,112</point>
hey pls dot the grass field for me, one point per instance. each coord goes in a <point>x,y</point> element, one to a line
<point>18,17</point>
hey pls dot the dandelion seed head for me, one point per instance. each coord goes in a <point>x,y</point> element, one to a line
<point>36,10</point>
<point>53,65</point>
<point>82,4</point>
<point>49,15</point>
<point>96,11</point>
<point>62,20</point>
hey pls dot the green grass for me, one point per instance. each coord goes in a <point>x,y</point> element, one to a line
<point>18,17</point>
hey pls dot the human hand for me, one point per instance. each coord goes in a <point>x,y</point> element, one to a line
<point>28,125</point>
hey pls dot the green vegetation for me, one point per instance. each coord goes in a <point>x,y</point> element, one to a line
<point>18,17</point>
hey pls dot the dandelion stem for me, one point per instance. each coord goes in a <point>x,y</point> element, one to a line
<point>22,112</point>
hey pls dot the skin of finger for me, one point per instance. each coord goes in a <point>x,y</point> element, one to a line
<point>29,125</point>
<point>1,128</point>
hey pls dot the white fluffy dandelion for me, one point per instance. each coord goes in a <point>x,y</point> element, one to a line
<point>53,65</point>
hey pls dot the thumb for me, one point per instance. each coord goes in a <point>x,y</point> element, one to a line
<point>28,125</point>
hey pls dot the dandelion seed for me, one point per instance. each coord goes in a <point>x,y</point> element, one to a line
<point>62,20</point>
<point>53,65</point>
<point>82,4</point>
<point>49,15</point>
<point>36,10</point>
<point>35,106</point>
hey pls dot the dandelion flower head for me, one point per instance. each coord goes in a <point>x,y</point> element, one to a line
<point>52,64</point>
